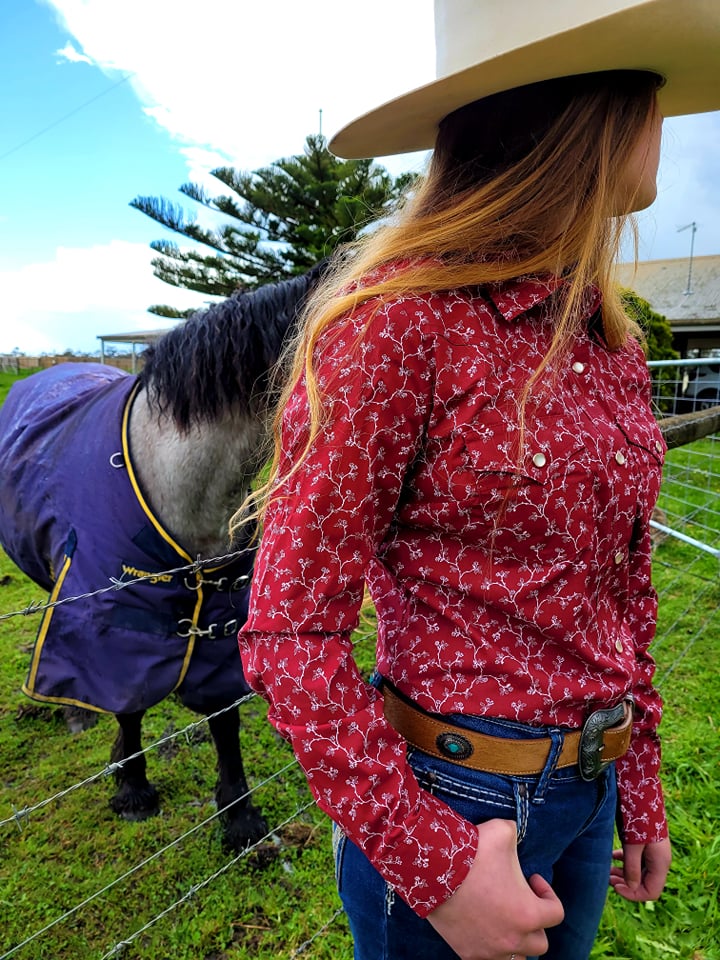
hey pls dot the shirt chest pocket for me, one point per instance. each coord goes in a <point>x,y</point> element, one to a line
<point>643,434</point>
<point>537,504</point>
<point>639,450</point>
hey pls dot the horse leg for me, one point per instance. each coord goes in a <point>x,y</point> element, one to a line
<point>242,823</point>
<point>136,799</point>
<point>79,719</point>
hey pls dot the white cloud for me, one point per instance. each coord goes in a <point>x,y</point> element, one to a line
<point>68,52</point>
<point>82,293</point>
<point>200,161</point>
<point>247,81</point>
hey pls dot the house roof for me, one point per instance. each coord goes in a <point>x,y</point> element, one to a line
<point>664,284</point>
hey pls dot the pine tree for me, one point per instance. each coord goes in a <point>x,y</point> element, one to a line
<point>658,346</point>
<point>655,326</point>
<point>282,219</point>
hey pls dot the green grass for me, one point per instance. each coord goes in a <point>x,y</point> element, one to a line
<point>271,902</point>
<point>685,923</point>
<point>8,379</point>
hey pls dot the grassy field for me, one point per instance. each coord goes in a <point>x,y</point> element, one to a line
<point>271,902</point>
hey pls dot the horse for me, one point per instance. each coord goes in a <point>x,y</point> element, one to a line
<point>122,487</point>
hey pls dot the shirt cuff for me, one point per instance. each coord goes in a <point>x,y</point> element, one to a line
<point>642,807</point>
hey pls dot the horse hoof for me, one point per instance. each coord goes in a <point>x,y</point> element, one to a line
<point>247,827</point>
<point>79,719</point>
<point>136,804</point>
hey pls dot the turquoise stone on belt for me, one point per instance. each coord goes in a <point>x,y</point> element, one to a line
<point>454,746</point>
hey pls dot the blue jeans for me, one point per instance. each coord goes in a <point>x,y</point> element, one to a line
<point>565,833</point>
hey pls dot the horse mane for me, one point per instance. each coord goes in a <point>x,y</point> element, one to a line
<point>221,358</point>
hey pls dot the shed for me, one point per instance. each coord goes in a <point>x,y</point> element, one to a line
<point>139,337</point>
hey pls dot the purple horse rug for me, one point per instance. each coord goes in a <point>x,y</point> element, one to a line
<point>74,519</point>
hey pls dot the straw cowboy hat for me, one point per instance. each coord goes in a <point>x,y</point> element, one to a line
<point>485,46</point>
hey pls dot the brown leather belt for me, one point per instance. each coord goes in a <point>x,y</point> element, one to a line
<point>601,740</point>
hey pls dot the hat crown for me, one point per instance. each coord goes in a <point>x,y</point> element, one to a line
<point>486,46</point>
<point>468,32</point>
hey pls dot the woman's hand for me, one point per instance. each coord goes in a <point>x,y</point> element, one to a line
<point>496,912</point>
<point>644,870</point>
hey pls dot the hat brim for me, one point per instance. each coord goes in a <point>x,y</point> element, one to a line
<point>678,39</point>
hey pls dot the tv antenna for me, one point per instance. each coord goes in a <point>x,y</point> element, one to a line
<point>693,228</point>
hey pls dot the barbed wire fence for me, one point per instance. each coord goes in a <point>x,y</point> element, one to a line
<point>694,509</point>
<point>21,816</point>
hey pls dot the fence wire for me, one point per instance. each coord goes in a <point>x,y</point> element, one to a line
<point>35,606</point>
<point>22,815</point>
<point>687,518</point>
<point>689,504</point>
<point>195,888</point>
<point>158,853</point>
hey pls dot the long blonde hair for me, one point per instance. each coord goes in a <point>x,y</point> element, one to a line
<point>521,183</point>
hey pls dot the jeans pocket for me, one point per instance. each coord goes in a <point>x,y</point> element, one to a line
<point>339,841</point>
<point>475,794</point>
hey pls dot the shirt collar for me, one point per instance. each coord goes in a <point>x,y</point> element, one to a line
<point>515,297</point>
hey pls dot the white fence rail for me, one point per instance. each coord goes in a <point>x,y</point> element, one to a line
<point>689,505</point>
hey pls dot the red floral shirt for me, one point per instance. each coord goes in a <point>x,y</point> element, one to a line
<point>509,567</point>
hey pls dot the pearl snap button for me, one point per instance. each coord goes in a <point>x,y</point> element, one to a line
<point>619,557</point>
<point>620,457</point>
<point>539,459</point>
<point>658,446</point>
<point>578,367</point>
<point>619,646</point>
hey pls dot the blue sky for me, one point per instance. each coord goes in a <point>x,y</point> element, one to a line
<point>107,99</point>
<point>77,176</point>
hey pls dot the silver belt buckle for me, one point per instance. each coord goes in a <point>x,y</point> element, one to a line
<point>590,759</point>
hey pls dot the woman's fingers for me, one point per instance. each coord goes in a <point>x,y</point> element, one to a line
<point>497,912</point>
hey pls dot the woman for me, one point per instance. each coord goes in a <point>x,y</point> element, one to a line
<point>466,429</point>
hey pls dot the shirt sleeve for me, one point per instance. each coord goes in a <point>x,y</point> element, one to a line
<point>642,807</point>
<point>322,530</point>
<point>641,797</point>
